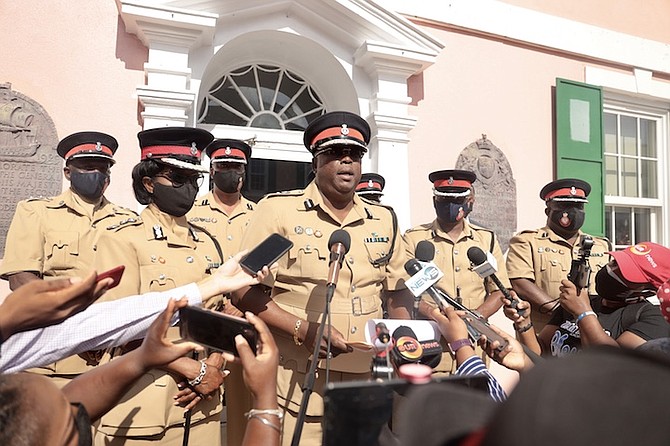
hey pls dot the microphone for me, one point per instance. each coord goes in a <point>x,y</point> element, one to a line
<point>485,268</point>
<point>425,251</point>
<point>382,333</point>
<point>339,244</point>
<point>408,349</point>
<point>422,280</point>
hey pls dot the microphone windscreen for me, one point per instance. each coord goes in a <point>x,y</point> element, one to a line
<point>403,330</point>
<point>425,251</point>
<point>476,255</point>
<point>412,266</point>
<point>340,236</point>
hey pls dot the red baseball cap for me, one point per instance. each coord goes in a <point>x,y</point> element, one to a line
<point>645,262</point>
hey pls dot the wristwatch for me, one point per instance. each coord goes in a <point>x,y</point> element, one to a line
<point>458,344</point>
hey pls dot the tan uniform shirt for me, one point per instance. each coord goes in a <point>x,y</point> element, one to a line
<point>226,229</point>
<point>299,284</point>
<point>160,252</point>
<point>57,237</point>
<point>545,258</point>
<point>459,280</point>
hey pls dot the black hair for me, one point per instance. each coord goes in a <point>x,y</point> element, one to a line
<point>145,168</point>
<point>17,426</point>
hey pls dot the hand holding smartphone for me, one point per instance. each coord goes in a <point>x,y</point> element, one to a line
<point>216,330</point>
<point>266,253</point>
<point>114,273</point>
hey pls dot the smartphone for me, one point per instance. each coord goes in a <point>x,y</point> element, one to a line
<point>215,330</point>
<point>114,273</point>
<point>266,253</point>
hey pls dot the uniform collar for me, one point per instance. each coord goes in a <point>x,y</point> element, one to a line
<point>159,225</point>
<point>313,198</point>
<point>437,231</point>
<point>67,199</point>
<point>547,232</point>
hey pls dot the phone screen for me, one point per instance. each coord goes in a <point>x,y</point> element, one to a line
<point>266,253</point>
<point>215,330</point>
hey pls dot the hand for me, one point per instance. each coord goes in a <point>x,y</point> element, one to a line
<point>513,357</point>
<point>156,350</point>
<point>450,323</point>
<point>259,371</point>
<point>230,277</point>
<point>513,313</point>
<point>188,397</point>
<point>40,303</point>
<point>575,303</point>
<point>338,344</point>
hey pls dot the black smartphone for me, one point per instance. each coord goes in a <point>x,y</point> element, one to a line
<point>215,330</point>
<point>114,273</point>
<point>266,253</point>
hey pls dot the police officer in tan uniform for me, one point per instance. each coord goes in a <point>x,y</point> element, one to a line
<point>225,213</point>
<point>452,235</point>
<point>162,250</point>
<point>371,187</point>
<point>57,237</point>
<point>539,259</point>
<point>373,267</point>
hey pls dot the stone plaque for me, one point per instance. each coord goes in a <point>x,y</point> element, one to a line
<point>495,189</point>
<point>29,164</point>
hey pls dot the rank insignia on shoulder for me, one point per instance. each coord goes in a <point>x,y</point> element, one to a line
<point>376,239</point>
<point>158,232</point>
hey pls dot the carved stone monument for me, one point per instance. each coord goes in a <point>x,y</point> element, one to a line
<point>495,189</point>
<point>29,164</point>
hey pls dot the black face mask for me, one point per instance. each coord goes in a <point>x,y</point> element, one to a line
<point>175,201</point>
<point>89,184</point>
<point>227,180</point>
<point>451,212</point>
<point>610,287</point>
<point>567,220</point>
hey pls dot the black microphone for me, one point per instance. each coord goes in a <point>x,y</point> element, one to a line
<point>408,349</point>
<point>425,251</point>
<point>485,269</point>
<point>382,333</point>
<point>339,244</point>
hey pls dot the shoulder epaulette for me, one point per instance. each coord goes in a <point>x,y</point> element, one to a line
<point>120,210</point>
<point>423,227</point>
<point>482,229</point>
<point>131,221</point>
<point>284,193</point>
<point>40,198</point>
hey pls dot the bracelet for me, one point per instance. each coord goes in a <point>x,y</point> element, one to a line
<point>296,330</point>
<point>266,422</point>
<point>584,314</point>
<point>198,379</point>
<point>276,412</point>
<point>524,329</point>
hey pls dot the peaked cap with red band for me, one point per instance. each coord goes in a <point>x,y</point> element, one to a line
<point>452,182</point>
<point>179,147</point>
<point>370,184</point>
<point>336,128</point>
<point>645,262</point>
<point>566,189</point>
<point>88,145</point>
<point>228,151</point>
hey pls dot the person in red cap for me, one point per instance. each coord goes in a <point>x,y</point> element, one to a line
<point>452,235</point>
<point>225,214</point>
<point>371,187</point>
<point>539,259</point>
<point>624,312</point>
<point>293,299</point>
<point>56,237</point>
<point>161,250</point>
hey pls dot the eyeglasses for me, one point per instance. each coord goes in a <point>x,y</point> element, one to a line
<point>339,152</point>
<point>178,179</point>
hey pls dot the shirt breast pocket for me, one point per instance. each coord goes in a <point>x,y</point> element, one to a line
<point>310,260</point>
<point>159,278</point>
<point>61,250</point>
<point>553,269</point>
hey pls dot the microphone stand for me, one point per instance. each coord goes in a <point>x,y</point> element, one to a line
<point>310,378</point>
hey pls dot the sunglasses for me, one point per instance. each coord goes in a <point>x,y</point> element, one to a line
<point>178,179</point>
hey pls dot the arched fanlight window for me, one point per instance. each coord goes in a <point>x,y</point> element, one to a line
<point>262,96</point>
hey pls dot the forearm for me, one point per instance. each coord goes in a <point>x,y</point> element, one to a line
<point>256,300</point>
<point>491,304</point>
<point>101,388</point>
<point>527,290</point>
<point>399,303</point>
<point>19,279</point>
<point>591,333</point>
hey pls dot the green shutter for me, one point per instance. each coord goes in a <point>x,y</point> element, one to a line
<point>579,144</point>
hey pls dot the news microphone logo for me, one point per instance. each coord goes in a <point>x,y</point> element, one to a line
<point>409,348</point>
<point>428,276</point>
